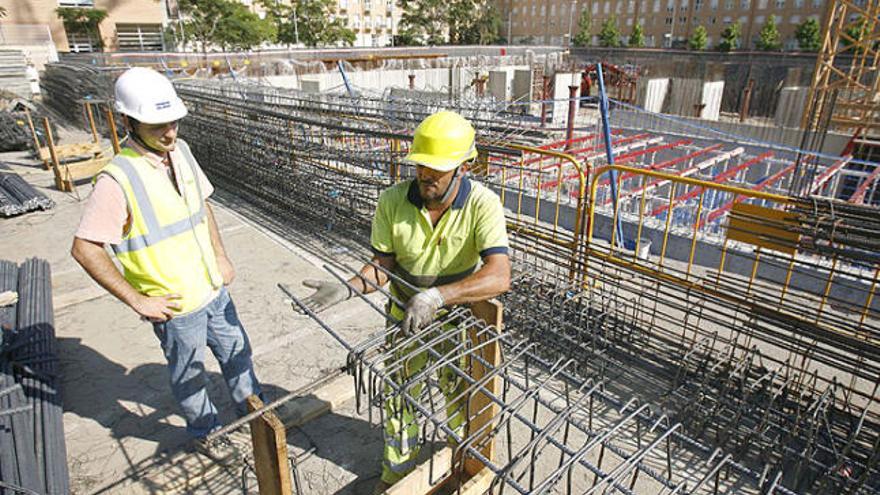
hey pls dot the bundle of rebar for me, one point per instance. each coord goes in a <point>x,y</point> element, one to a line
<point>14,135</point>
<point>29,353</point>
<point>64,85</point>
<point>17,196</point>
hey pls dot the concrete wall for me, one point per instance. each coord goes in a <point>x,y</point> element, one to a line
<point>791,105</point>
<point>379,80</point>
<point>651,93</point>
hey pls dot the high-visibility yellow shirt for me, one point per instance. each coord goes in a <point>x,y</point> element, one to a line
<point>427,255</point>
<point>167,249</point>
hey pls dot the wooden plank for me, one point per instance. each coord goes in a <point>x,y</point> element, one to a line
<point>478,484</point>
<point>427,477</point>
<point>85,169</point>
<point>482,411</point>
<point>327,398</point>
<point>50,143</point>
<point>269,439</point>
<point>765,227</point>
<point>72,150</point>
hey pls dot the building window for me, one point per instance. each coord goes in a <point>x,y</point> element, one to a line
<point>728,4</point>
<point>631,7</point>
<point>698,4</point>
<point>656,6</point>
<point>727,20</point>
<point>139,37</point>
<point>79,43</point>
<point>595,8</point>
<point>76,3</point>
<point>798,4</point>
<point>817,4</point>
<point>713,20</point>
<point>670,6</point>
<point>746,4</point>
<point>743,20</point>
<point>552,10</point>
<point>668,21</point>
<point>795,19</point>
<point>543,10</point>
<point>629,21</point>
<point>607,7</point>
<point>762,4</point>
<point>618,7</point>
<point>759,20</point>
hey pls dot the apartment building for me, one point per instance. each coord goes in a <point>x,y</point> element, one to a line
<point>665,23</point>
<point>373,21</point>
<point>130,25</point>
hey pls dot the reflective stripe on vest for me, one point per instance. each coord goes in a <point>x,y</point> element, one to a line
<point>155,233</point>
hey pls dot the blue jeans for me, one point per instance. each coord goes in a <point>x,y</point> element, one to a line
<point>183,340</point>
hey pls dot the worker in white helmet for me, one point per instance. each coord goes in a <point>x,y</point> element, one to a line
<point>148,204</point>
<point>444,234</point>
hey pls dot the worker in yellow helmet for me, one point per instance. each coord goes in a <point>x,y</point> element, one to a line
<point>148,204</point>
<point>440,232</point>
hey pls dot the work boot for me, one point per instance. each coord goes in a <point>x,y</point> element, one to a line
<point>381,487</point>
<point>220,450</point>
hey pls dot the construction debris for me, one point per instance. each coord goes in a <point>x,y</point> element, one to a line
<point>17,196</point>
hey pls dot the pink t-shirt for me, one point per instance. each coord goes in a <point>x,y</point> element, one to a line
<point>105,218</point>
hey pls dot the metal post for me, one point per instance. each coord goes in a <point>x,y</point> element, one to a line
<point>747,98</point>
<point>609,153</point>
<point>572,113</point>
<point>412,81</point>
<point>545,88</point>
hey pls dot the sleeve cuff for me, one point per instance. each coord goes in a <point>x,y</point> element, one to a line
<point>381,253</point>
<point>493,250</point>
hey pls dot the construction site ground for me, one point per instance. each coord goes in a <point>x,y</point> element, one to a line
<point>122,427</point>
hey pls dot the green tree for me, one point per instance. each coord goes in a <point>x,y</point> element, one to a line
<point>699,39</point>
<point>83,21</point>
<point>223,23</point>
<point>807,34</point>
<point>482,29</point>
<point>729,37</point>
<point>241,29</point>
<point>584,33</point>
<point>609,35</point>
<point>308,22</point>
<point>201,20</point>
<point>854,33</point>
<point>637,37</point>
<point>425,20</point>
<point>769,39</point>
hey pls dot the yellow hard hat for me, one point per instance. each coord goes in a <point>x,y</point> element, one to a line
<point>442,142</point>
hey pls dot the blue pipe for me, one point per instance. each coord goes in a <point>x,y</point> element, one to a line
<point>606,130</point>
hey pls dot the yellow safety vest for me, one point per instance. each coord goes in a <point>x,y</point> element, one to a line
<point>168,248</point>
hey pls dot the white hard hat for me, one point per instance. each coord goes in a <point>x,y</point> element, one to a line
<point>148,97</point>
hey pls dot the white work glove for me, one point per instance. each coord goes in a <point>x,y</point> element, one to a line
<point>420,310</point>
<point>326,294</point>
